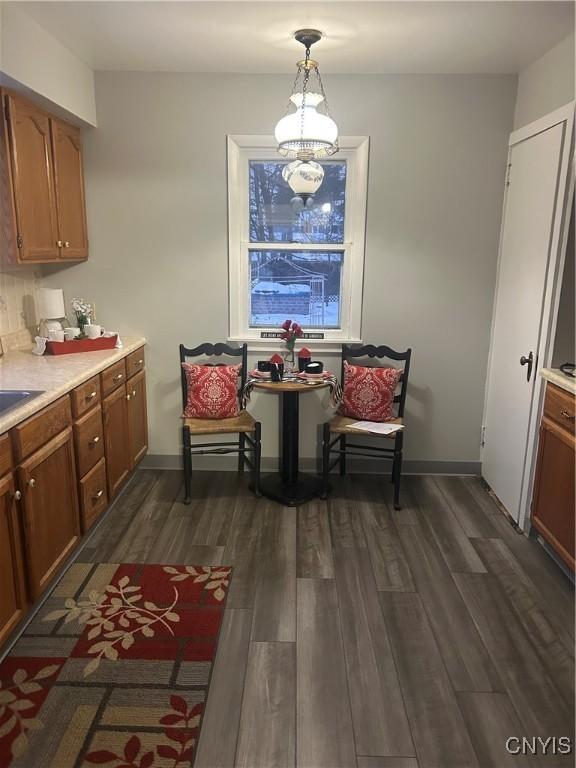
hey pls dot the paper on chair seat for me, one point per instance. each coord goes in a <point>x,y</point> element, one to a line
<point>377,427</point>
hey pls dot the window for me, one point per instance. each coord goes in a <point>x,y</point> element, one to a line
<point>289,261</point>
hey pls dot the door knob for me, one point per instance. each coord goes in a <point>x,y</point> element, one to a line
<point>529,361</point>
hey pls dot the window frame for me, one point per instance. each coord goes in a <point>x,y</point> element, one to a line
<point>242,149</point>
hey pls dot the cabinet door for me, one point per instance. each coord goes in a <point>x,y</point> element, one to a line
<point>116,439</point>
<point>12,591</point>
<point>52,524</point>
<point>553,502</point>
<point>137,418</point>
<point>33,181</point>
<point>70,202</point>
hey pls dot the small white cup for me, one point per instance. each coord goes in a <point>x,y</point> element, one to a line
<point>93,331</point>
<point>71,333</point>
<point>56,335</point>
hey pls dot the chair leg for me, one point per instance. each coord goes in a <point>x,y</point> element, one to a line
<point>397,476</point>
<point>342,455</point>
<point>257,457</point>
<point>325,461</point>
<point>393,473</point>
<point>241,445</point>
<point>187,454</point>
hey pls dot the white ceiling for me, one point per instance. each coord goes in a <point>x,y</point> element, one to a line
<point>360,37</point>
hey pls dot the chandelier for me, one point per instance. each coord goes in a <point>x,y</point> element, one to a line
<point>306,133</point>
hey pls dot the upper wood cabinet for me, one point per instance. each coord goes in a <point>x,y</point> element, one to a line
<point>44,172</point>
<point>69,177</point>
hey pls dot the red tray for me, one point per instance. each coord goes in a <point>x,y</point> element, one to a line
<point>80,345</point>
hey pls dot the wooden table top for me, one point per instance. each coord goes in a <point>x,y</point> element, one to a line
<point>289,386</point>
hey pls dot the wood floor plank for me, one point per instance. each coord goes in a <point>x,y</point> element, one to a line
<point>553,644</point>
<point>275,596</point>
<point>491,720</point>
<point>343,511</point>
<point>324,722</point>
<point>439,733</point>
<point>219,733</point>
<point>455,546</point>
<point>556,590</point>
<point>105,539</point>
<point>387,762</point>
<point>267,736</point>
<point>467,661</point>
<point>382,728</point>
<point>314,557</point>
<point>528,685</point>
<point>391,569</point>
<point>470,515</point>
<point>140,537</point>
<point>225,491</point>
<point>242,553</point>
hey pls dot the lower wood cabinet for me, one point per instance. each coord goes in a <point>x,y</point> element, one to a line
<point>553,499</point>
<point>47,480</point>
<point>116,439</point>
<point>137,418</point>
<point>13,600</point>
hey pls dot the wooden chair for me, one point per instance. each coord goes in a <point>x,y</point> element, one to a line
<point>340,425</point>
<point>247,429</point>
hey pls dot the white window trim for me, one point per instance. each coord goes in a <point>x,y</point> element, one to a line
<point>241,149</point>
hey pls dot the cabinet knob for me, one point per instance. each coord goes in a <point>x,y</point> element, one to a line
<point>95,439</point>
<point>32,482</point>
<point>139,362</point>
<point>118,377</point>
<point>91,396</point>
<point>567,414</point>
<point>18,495</point>
<point>128,396</point>
<point>133,393</point>
<point>98,496</point>
<point>59,243</point>
<point>67,244</point>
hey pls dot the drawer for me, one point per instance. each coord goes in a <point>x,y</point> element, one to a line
<point>135,362</point>
<point>113,377</point>
<point>89,440</point>
<point>5,454</point>
<point>85,396</point>
<point>560,407</point>
<point>93,497</point>
<point>43,426</point>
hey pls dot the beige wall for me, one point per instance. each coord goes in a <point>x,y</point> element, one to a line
<point>18,289</point>
<point>156,193</point>
<point>546,84</point>
<point>33,60</point>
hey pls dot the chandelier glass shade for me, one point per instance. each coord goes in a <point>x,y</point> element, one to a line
<point>303,178</point>
<point>307,132</point>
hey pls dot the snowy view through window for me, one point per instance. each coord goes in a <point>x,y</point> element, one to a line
<point>295,282</point>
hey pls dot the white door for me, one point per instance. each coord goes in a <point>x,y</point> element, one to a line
<point>533,195</point>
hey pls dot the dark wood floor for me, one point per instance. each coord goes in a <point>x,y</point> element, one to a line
<point>355,635</point>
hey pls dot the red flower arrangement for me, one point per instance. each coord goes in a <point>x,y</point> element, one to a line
<point>292,331</point>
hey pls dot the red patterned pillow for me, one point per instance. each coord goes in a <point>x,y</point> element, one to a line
<point>212,391</point>
<point>368,393</point>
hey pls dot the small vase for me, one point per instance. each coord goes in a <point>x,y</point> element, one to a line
<point>289,360</point>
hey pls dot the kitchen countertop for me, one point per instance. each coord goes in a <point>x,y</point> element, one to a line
<point>55,374</point>
<point>555,376</point>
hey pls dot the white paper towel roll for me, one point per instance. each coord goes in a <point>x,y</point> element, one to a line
<point>51,304</point>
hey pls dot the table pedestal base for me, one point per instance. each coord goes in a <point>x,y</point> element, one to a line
<point>305,488</point>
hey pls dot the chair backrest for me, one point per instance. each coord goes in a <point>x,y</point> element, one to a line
<point>350,352</point>
<point>214,350</point>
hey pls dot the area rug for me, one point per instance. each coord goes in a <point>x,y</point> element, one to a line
<point>114,669</point>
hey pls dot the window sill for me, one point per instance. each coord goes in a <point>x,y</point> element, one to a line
<point>320,346</point>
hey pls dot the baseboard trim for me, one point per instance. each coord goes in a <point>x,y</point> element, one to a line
<point>311,464</point>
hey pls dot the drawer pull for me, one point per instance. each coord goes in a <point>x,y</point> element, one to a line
<point>98,496</point>
<point>118,377</point>
<point>138,362</point>
<point>18,495</point>
<point>133,393</point>
<point>95,439</point>
<point>32,482</point>
<point>128,396</point>
<point>567,414</point>
<point>91,396</point>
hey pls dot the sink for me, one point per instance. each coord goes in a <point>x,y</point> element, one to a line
<point>10,398</point>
